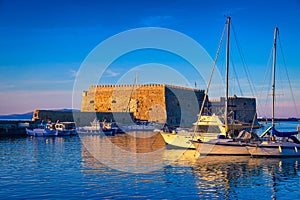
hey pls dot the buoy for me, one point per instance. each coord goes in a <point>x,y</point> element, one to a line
<point>46,141</point>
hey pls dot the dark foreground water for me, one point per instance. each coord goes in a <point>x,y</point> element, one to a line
<point>72,168</point>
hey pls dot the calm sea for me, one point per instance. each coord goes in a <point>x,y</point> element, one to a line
<point>136,165</point>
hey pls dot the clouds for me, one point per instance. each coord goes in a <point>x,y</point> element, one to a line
<point>111,73</point>
<point>43,43</point>
<point>73,73</point>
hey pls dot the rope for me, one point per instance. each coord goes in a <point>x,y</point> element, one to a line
<point>210,78</point>
<point>238,82</point>
<point>248,75</point>
<point>286,71</point>
<point>265,78</point>
<point>246,69</point>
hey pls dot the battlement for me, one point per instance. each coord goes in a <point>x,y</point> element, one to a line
<point>130,86</point>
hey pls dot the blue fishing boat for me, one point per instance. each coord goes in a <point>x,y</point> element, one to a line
<point>42,130</point>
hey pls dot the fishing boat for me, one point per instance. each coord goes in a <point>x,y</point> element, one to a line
<point>108,128</point>
<point>141,126</point>
<point>275,143</point>
<point>42,130</point>
<point>65,128</point>
<point>98,127</point>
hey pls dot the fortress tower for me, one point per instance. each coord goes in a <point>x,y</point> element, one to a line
<point>161,103</point>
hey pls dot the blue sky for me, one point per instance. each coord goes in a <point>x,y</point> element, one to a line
<point>43,43</point>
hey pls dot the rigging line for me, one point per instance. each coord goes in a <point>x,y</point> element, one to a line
<point>210,78</point>
<point>238,82</point>
<point>248,75</point>
<point>246,69</point>
<point>265,78</point>
<point>287,74</point>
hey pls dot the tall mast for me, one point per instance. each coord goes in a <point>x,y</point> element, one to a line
<point>227,74</point>
<point>273,75</point>
<point>136,90</point>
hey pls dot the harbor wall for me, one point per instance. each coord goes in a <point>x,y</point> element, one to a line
<point>13,127</point>
<point>81,118</point>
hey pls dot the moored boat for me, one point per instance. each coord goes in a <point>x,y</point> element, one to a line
<point>274,149</point>
<point>65,128</point>
<point>141,126</point>
<point>221,147</point>
<point>98,127</point>
<point>207,127</point>
<point>108,128</point>
<point>276,143</point>
<point>210,129</point>
<point>42,130</point>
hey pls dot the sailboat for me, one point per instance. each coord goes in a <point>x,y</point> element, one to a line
<point>209,130</point>
<point>224,145</point>
<point>277,144</point>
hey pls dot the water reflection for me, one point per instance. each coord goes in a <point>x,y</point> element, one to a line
<point>185,175</point>
<point>40,167</point>
<point>125,152</point>
<point>246,178</point>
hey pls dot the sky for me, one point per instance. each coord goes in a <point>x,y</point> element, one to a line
<point>43,44</point>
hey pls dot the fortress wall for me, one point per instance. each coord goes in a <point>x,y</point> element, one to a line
<point>183,105</point>
<point>245,109</point>
<point>146,102</point>
<point>240,108</point>
<point>151,102</point>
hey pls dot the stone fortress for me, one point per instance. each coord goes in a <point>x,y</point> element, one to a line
<point>161,103</point>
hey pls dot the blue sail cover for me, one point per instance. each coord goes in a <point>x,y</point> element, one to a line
<point>283,134</point>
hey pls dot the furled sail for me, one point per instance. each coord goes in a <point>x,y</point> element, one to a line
<point>283,134</point>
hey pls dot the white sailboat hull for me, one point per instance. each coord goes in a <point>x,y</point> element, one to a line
<point>180,140</point>
<point>274,149</point>
<point>221,147</point>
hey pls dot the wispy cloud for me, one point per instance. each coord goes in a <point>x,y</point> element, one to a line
<point>6,86</point>
<point>111,73</point>
<point>50,81</point>
<point>73,73</point>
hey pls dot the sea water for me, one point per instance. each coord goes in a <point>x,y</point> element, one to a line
<point>136,165</point>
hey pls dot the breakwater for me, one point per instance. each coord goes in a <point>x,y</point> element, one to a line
<point>14,127</point>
